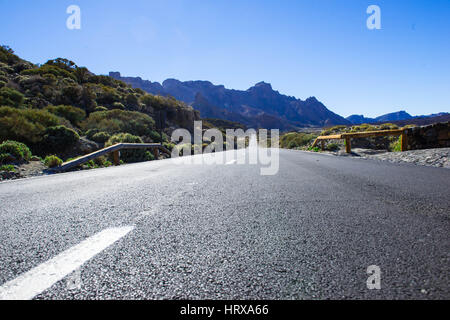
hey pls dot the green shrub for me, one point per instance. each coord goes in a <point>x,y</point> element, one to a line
<point>396,146</point>
<point>100,108</point>
<point>155,136</point>
<point>73,114</point>
<point>49,69</point>
<point>315,149</point>
<point>123,137</point>
<point>90,133</point>
<point>296,140</point>
<point>18,150</point>
<point>364,127</point>
<point>10,97</point>
<point>101,137</point>
<point>5,158</point>
<point>118,105</point>
<point>388,126</point>
<point>52,161</point>
<point>102,162</point>
<point>119,121</point>
<point>7,55</point>
<point>334,130</point>
<point>59,138</point>
<point>62,63</point>
<point>26,125</point>
<point>129,156</point>
<point>169,145</point>
<point>7,167</point>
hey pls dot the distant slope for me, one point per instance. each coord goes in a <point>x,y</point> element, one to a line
<point>394,116</point>
<point>359,119</point>
<point>397,117</point>
<point>259,106</point>
<point>424,120</point>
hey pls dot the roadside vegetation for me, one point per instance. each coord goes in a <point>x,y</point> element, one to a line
<point>304,141</point>
<point>59,111</point>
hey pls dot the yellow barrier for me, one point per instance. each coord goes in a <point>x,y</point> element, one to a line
<point>349,136</point>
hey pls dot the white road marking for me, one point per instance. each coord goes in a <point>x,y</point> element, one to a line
<point>42,277</point>
<point>231,162</point>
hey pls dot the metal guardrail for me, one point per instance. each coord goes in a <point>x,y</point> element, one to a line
<point>115,151</point>
<point>349,136</point>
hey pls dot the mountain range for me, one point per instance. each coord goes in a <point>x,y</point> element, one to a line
<point>259,107</point>
<point>391,117</point>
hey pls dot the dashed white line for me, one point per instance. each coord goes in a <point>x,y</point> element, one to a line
<point>231,162</point>
<point>42,277</point>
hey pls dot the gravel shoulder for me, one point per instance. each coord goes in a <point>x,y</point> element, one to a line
<point>428,157</point>
<point>26,170</point>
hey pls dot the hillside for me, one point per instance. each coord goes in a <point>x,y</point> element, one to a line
<point>259,106</point>
<point>63,109</point>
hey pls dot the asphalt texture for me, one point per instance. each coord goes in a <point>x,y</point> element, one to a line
<point>226,232</point>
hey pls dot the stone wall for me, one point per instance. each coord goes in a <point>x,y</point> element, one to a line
<point>432,136</point>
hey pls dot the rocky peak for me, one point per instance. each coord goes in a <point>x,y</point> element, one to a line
<point>261,86</point>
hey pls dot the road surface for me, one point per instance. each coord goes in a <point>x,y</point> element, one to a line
<point>158,230</point>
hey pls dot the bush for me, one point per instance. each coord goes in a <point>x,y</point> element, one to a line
<point>18,150</point>
<point>90,133</point>
<point>296,140</point>
<point>52,161</point>
<point>396,146</point>
<point>10,97</point>
<point>7,55</point>
<point>73,114</point>
<point>101,137</point>
<point>100,108</point>
<point>169,145</point>
<point>155,136</point>
<point>333,130</point>
<point>59,138</point>
<point>118,105</point>
<point>5,158</point>
<point>388,126</point>
<point>26,125</point>
<point>364,127</point>
<point>315,149</point>
<point>7,167</point>
<point>119,121</point>
<point>49,69</point>
<point>129,156</point>
<point>102,162</point>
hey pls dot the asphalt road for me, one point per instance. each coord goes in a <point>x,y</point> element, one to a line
<point>226,232</point>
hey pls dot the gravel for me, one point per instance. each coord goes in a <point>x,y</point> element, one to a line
<point>427,157</point>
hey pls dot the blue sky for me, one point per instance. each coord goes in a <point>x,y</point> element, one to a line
<point>303,48</point>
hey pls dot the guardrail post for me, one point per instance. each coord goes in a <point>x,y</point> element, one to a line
<point>322,144</point>
<point>404,141</point>
<point>116,157</point>
<point>348,145</point>
<point>156,153</point>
